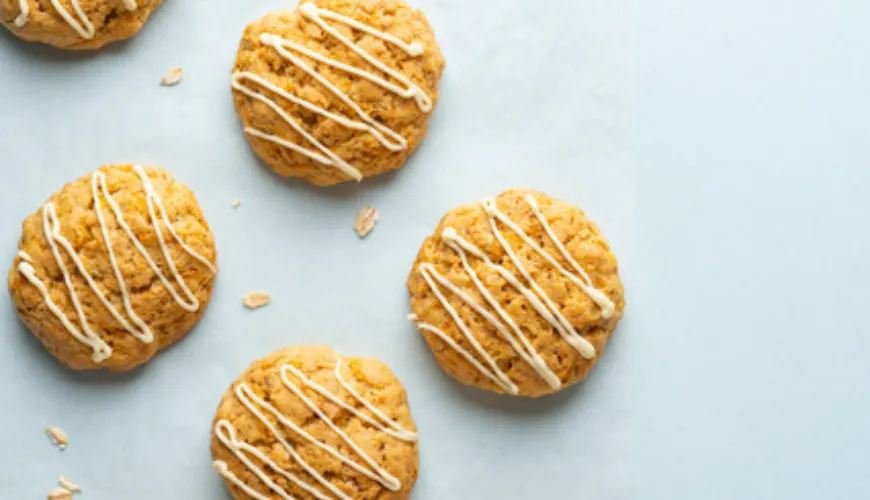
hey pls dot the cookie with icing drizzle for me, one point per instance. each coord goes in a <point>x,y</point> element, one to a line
<point>306,422</point>
<point>76,24</point>
<point>337,90</point>
<point>518,294</point>
<point>114,267</point>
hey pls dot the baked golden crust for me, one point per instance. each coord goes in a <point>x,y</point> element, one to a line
<point>110,18</point>
<point>585,244</point>
<point>369,377</point>
<point>149,298</point>
<point>356,147</point>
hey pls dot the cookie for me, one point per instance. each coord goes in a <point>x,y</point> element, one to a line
<point>337,90</point>
<point>75,24</point>
<point>114,267</point>
<point>517,294</point>
<point>306,423</point>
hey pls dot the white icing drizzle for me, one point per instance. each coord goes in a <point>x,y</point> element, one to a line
<point>24,13</point>
<point>57,242</point>
<point>79,22</point>
<point>288,50</point>
<point>494,373</point>
<point>535,295</point>
<point>226,434</point>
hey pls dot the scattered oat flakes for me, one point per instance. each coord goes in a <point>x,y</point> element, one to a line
<point>365,221</point>
<point>236,203</point>
<point>60,494</point>
<point>256,300</point>
<point>172,77</point>
<point>58,437</point>
<point>69,485</point>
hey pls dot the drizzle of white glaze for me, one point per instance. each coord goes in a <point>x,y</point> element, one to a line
<point>535,295</point>
<point>494,373</point>
<point>56,241</point>
<point>82,25</point>
<point>24,13</point>
<point>585,284</point>
<point>226,434</point>
<point>287,49</point>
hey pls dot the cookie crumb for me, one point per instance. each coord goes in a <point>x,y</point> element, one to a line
<point>256,300</point>
<point>58,437</point>
<point>60,494</point>
<point>69,485</point>
<point>236,203</point>
<point>172,77</point>
<point>365,221</point>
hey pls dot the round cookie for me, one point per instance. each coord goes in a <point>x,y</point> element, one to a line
<point>75,24</point>
<point>517,294</point>
<point>305,423</point>
<point>337,90</point>
<point>116,266</point>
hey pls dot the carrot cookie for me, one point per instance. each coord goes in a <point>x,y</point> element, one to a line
<point>337,90</point>
<point>75,24</point>
<point>517,294</point>
<point>114,267</point>
<point>307,423</point>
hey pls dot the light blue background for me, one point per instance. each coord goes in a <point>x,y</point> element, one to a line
<point>753,160</point>
<point>531,97</point>
<point>741,370</point>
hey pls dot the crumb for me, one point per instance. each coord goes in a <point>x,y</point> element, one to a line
<point>69,485</point>
<point>236,203</point>
<point>58,437</point>
<point>365,221</point>
<point>172,77</point>
<point>60,494</point>
<point>255,300</point>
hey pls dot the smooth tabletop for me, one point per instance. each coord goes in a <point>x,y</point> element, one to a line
<point>723,148</point>
<point>532,97</point>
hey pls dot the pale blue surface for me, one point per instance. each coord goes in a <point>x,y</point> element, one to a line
<point>508,117</point>
<point>753,161</point>
<point>744,356</point>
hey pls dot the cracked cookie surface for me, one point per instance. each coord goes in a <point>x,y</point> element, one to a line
<point>98,305</point>
<point>314,423</point>
<point>330,100</point>
<point>76,24</point>
<point>517,294</point>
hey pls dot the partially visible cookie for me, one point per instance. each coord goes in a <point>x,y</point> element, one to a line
<point>116,266</point>
<point>337,90</point>
<point>75,24</point>
<point>306,423</point>
<point>517,294</point>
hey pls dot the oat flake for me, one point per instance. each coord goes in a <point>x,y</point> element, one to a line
<point>172,77</point>
<point>256,300</point>
<point>365,221</point>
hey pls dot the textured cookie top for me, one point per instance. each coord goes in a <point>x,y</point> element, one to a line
<point>114,267</point>
<point>75,24</point>
<point>337,89</point>
<point>517,294</point>
<point>304,422</point>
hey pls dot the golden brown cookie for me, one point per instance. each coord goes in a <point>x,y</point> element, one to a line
<point>75,24</point>
<point>517,294</point>
<point>337,90</point>
<point>114,267</point>
<point>306,423</point>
